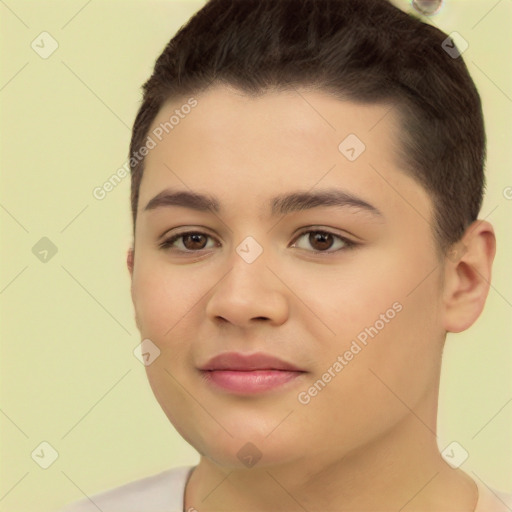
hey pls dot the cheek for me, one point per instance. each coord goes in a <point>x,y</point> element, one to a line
<point>397,366</point>
<point>392,330</point>
<point>162,296</point>
<point>402,361</point>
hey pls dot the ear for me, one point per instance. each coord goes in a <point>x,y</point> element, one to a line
<point>467,276</point>
<point>130,260</point>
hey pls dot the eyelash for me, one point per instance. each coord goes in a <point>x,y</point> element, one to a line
<point>348,244</point>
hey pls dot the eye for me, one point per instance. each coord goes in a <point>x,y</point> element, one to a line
<point>321,241</point>
<point>191,241</point>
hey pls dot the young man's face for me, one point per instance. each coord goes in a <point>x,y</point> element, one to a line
<point>307,298</point>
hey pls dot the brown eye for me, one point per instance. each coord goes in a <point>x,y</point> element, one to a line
<point>191,241</point>
<point>194,241</point>
<point>321,241</point>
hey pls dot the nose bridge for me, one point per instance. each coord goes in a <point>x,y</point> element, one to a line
<point>249,266</point>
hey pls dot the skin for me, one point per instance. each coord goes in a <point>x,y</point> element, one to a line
<point>367,441</point>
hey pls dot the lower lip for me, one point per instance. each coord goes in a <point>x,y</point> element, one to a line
<point>255,381</point>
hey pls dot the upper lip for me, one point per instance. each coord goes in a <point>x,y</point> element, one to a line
<point>247,362</point>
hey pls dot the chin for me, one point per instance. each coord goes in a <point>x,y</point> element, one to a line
<point>248,448</point>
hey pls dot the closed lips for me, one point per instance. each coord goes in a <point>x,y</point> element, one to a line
<point>237,361</point>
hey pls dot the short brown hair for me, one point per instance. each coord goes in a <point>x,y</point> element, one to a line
<point>361,50</point>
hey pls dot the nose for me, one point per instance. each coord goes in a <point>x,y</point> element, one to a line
<point>248,294</point>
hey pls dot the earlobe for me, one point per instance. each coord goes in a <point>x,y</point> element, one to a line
<point>130,260</point>
<point>468,268</point>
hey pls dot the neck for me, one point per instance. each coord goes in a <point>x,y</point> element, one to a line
<point>401,470</point>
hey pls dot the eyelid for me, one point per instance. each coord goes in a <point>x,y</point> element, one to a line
<point>347,235</point>
<point>203,230</point>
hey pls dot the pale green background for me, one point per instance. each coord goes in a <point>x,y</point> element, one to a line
<point>69,376</point>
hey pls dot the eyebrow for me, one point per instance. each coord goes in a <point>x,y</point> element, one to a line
<point>279,205</point>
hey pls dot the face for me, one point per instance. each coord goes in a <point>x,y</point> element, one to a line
<point>342,283</point>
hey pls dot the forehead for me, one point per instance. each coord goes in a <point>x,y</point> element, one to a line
<point>278,141</point>
<point>226,118</point>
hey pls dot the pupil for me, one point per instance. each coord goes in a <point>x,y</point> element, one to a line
<point>195,241</point>
<point>319,239</point>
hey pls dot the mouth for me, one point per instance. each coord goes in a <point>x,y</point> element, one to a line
<point>253,381</point>
<point>247,374</point>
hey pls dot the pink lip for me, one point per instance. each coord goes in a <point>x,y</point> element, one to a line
<point>254,381</point>
<point>253,373</point>
<point>247,362</point>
